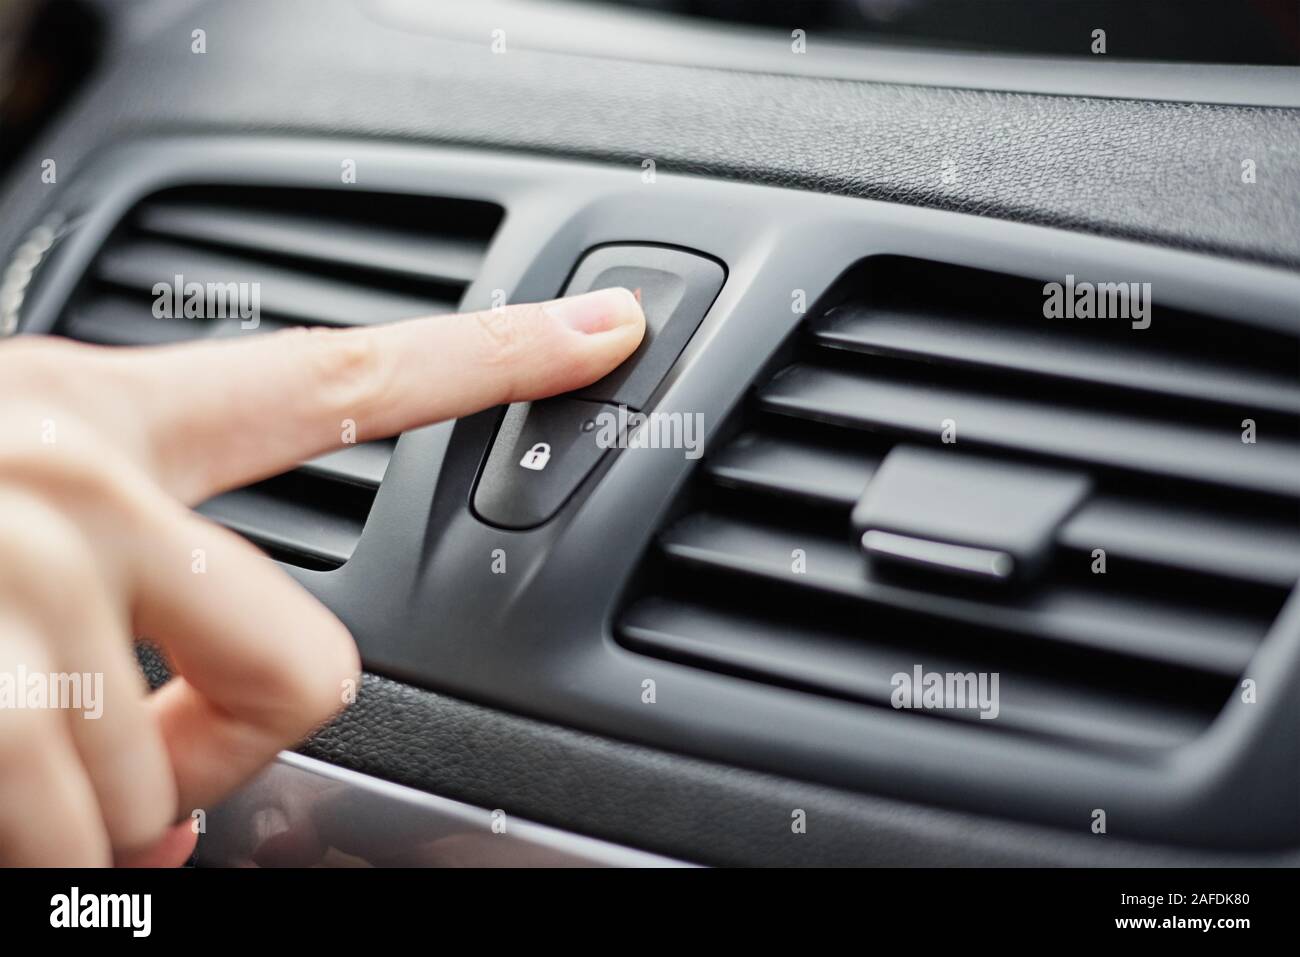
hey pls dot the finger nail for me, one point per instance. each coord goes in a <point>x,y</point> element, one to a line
<point>597,311</point>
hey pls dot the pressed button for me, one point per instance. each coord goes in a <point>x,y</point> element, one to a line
<point>676,288</point>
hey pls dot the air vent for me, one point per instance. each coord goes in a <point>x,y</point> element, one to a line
<point>762,573</point>
<point>319,257</point>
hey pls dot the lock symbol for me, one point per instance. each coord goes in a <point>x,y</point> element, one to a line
<point>536,457</point>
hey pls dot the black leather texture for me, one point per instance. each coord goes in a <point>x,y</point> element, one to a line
<point>1161,172</point>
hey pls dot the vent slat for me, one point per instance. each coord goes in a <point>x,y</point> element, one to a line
<point>1213,543</point>
<point>362,464</point>
<point>1053,349</point>
<point>821,473</point>
<point>286,525</point>
<point>1191,636</point>
<point>1131,442</point>
<point>284,293</point>
<point>114,319</point>
<point>451,260</point>
<point>825,661</point>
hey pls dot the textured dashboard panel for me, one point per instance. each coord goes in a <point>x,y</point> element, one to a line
<point>1164,172</point>
<point>691,809</point>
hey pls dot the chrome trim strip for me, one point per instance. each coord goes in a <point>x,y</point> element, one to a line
<point>302,812</point>
<point>961,559</point>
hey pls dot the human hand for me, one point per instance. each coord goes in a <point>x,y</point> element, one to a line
<point>101,453</point>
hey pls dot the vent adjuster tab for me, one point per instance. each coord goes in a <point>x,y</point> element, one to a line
<point>959,514</point>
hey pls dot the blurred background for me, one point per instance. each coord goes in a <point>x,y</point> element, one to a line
<point>1199,31</point>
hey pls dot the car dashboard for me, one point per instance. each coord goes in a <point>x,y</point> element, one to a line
<point>884,433</point>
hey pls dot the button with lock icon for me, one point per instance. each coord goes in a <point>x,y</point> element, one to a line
<point>540,456</point>
<point>545,450</point>
<point>536,457</point>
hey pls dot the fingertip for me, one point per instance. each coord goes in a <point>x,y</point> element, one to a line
<point>599,311</point>
<point>173,849</point>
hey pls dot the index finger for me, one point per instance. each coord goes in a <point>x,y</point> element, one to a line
<point>218,415</point>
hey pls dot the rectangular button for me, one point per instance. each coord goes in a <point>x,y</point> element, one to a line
<point>676,288</point>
